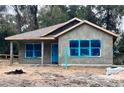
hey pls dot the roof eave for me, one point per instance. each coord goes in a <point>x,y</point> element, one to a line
<point>19,39</point>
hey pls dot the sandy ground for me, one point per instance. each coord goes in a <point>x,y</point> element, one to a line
<point>54,76</point>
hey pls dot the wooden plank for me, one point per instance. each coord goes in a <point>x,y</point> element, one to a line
<point>11,53</point>
<point>4,54</point>
<point>7,55</point>
<point>42,52</point>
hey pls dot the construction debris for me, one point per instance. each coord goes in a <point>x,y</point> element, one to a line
<point>113,70</point>
<point>20,71</point>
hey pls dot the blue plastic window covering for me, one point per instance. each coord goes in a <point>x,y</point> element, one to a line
<point>33,50</point>
<point>29,53</point>
<point>29,46</point>
<point>74,51</point>
<point>95,43</point>
<point>37,53</point>
<point>29,50</point>
<point>84,52</point>
<point>95,47</point>
<point>37,46</point>
<point>37,50</point>
<point>74,43</point>
<point>84,43</point>
<point>95,52</point>
<point>85,48</point>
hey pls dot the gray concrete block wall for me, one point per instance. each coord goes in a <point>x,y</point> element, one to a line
<point>86,32</point>
<point>47,53</point>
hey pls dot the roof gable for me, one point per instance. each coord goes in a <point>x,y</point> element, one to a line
<point>89,23</point>
<point>74,21</point>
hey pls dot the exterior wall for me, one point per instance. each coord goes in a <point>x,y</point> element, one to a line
<point>47,53</point>
<point>86,32</point>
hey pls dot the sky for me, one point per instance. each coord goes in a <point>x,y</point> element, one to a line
<point>11,11</point>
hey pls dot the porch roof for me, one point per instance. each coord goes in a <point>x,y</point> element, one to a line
<point>36,34</point>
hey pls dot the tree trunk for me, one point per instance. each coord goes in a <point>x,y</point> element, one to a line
<point>18,19</point>
<point>33,17</point>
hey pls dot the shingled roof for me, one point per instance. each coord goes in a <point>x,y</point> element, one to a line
<point>55,31</point>
<point>36,34</point>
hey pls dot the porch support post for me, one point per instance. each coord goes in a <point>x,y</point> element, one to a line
<point>11,53</point>
<point>42,52</point>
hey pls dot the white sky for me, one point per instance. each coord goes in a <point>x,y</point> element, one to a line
<point>62,2</point>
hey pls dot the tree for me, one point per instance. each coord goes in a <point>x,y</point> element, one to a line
<point>19,19</point>
<point>108,15</point>
<point>120,46</point>
<point>72,11</point>
<point>32,14</point>
<point>7,28</point>
<point>26,17</point>
<point>87,13</point>
<point>2,8</point>
<point>51,15</point>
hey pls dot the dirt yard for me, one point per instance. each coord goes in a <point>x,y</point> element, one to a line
<point>54,76</point>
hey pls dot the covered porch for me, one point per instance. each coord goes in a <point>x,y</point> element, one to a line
<point>36,52</point>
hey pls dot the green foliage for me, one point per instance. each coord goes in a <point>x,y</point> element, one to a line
<point>108,16</point>
<point>6,29</point>
<point>87,13</point>
<point>2,8</point>
<point>119,55</point>
<point>4,32</point>
<point>72,11</point>
<point>25,17</point>
<point>120,46</point>
<point>51,15</point>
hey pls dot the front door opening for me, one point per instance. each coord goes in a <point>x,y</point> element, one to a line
<point>54,54</point>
